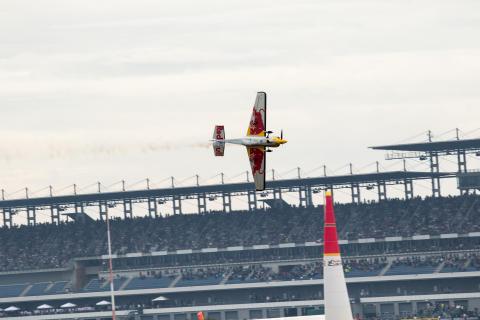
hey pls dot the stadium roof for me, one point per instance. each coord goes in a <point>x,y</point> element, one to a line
<point>450,145</point>
<point>342,180</point>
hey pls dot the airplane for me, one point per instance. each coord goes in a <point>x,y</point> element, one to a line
<point>257,141</point>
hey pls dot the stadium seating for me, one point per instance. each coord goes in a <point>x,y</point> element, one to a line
<point>199,282</point>
<point>414,265</point>
<point>202,277</point>
<point>148,283</point>
<point>38,289</point>
<point>94,285</point>
<point>361,273</point>
<point>53,246</point>
<point>57,287</point>
<point>254,273</point>
<point>240,274</point>
<point>364,267</point>
<point>12,290</point>
<point>403,270</point>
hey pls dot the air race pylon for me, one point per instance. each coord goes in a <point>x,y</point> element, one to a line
<point>337,303</point>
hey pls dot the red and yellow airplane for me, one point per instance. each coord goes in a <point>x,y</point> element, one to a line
<point>257,141</point>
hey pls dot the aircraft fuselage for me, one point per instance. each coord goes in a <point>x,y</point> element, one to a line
<point>256,141</point>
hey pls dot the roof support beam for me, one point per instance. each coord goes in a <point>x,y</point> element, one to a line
<point>177,204</point>
<point>227,201</point>
<point>31,216</point>
<point>382,190</point>
<point>252,200</point>
<point>102,210</point>
<point>7,217</point>
<point>152,207</point>
<point>408,185</point>
<point>355,188</point>
<point>78,207</point>
<point>305,196</point>
<point>202,202</point>
<point>277,193</point>
<point>127,208</point>
<point>435,169</point>
<point>55,214</point>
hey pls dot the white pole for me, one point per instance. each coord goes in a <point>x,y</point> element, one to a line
<point>110,268</point>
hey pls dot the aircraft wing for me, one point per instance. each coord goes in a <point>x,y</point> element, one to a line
<point>257,157</point>
<point>258,121</point>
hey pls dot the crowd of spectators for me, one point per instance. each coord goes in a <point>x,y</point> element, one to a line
<point>458,263</point>
<point>364,265</point>
<point>260,273</point>
<point>155,274</point>
<point>204,273</point>
<point>306,271</point>
<point>250,273</point>
<point>53,246</point>
<point>440,311</point>
<point>429,310</point>
<point>418,262</point>
<point>302,272</point>
<point>290,272</point>
<point>447,262</point>
<point>446,311</point>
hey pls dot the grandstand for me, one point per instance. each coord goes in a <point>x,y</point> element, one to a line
<point>242,264</point>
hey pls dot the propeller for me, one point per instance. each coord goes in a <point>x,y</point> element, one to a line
<point>281,134</point>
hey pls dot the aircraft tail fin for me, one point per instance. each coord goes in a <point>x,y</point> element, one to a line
<point>219,133</point>
<point>218,141</point>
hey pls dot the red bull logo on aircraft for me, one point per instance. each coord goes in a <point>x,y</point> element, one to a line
<point>257,126</point>
<point>256,160</point>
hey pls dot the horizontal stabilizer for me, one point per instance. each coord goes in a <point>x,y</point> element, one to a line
<point>219,148</point>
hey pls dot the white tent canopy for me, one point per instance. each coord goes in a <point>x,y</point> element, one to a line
<point>44,307</point>
<point>103,303</point>
<point>68,305</point>
<point>161,298</point>
<point>12,308</point>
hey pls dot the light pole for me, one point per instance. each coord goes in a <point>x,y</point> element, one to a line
<point>110,267</point>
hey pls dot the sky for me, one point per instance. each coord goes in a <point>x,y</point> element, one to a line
<point>110,90</point>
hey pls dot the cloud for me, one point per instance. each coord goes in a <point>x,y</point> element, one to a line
<point>111,80</point>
